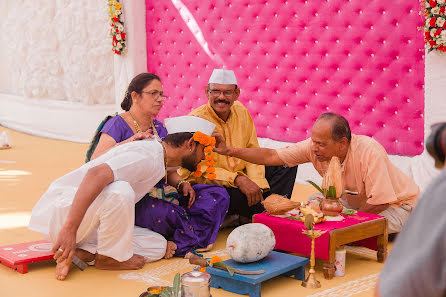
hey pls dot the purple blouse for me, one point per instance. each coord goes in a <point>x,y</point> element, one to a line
<point>118,128</point>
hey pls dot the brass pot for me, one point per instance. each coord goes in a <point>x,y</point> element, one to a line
<point>331,207</point>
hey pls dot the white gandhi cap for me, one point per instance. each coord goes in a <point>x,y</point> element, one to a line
<point>189,124</point>
<point>223,77</point>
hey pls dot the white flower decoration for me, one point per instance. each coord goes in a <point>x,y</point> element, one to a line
<point>432,32</point>
<point>440,22</point>
<point>120,27</point>
<point>435,10</point>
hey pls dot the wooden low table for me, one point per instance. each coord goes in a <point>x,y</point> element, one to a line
<point>274,264</point>
<point>364,229</point>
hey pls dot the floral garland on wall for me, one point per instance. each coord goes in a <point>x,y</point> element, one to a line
<point>435,25</point>
<point>117,26</point>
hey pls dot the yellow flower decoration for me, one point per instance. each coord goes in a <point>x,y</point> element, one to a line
<point>208,142</point>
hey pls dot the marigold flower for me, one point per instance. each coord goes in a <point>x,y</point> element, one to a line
<point>197,173</point>
<point>213,141</point>
<point>118,6</point>
<point>202,269</point>
<point>215,259</point>
<point>208,142</point>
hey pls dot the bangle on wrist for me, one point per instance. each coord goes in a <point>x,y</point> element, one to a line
<point>181,181</point>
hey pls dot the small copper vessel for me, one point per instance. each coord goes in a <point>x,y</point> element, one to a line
<point>331,207</point>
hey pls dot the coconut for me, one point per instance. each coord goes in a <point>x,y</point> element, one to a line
<point>250,242</point>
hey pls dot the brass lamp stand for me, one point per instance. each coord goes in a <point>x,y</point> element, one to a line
<point>311,281</point>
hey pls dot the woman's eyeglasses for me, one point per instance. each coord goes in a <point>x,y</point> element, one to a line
<point>155,94</point>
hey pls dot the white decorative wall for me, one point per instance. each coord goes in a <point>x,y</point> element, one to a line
<point>57,74</point>
<point>58,50</point>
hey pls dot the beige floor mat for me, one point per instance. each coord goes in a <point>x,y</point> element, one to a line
<point>33,163</point>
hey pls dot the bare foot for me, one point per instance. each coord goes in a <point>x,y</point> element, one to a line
<point>208,248</point>
<point>107,263</point>
<point>188,255</point>
<point>170,249</point>
<point>63,267</point>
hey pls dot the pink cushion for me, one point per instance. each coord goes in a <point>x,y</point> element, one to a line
<point>297,59</point>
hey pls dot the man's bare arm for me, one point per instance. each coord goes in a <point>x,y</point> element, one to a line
<point>376,209</point>
<point>262,156</point>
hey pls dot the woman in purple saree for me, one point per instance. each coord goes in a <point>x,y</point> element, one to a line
<point>190,217</point>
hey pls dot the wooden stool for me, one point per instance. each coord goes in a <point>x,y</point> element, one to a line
<point>364,229</point>
<point>274,264</point>
<point>18,256</point>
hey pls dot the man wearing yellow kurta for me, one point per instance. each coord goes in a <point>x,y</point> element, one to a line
<point>245,182</point>
<point>366,168</point>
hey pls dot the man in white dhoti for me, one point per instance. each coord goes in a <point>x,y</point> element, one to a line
<point>90,211</point>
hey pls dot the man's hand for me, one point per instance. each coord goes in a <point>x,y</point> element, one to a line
<point>220,144</point>
<point>187,190</point>
<point>250,189</point>
<point>65,245</point>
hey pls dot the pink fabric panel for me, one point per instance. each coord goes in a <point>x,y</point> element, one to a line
<point>289,236</point>
<point>297,59</point>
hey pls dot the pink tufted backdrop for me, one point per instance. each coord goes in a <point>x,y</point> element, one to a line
<point>296,59</point>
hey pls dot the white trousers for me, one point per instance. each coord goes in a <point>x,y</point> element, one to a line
<point>108,227</point>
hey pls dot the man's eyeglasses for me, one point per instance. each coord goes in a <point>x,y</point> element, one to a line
<point>155,94</point>
<point>226,93</point>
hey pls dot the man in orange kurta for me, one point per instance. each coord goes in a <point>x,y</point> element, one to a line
<point>366,168</point>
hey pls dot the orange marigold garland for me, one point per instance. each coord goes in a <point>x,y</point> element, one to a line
<point>208,142</point>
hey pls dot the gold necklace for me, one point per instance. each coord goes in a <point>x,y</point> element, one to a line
<point>138,128</point>
<point>165,161</point>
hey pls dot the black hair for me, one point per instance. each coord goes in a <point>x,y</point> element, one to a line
<point>137,84</point>
<point>340,127</point>
<point>178,139</point>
